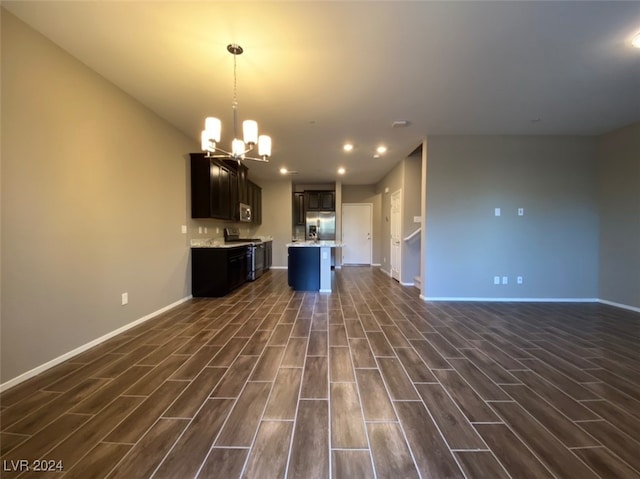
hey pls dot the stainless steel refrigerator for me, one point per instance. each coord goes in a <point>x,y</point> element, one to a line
<point>322,224</point>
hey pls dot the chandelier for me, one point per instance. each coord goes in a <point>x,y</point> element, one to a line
<point>239,148</point>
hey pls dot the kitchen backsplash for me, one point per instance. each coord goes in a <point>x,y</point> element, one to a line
<point>199,228</point>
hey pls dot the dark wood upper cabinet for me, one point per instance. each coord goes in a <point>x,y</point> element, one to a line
<point>328,200</point>
<point>210,188</point>
<point>234,196</point>
<point>243,186</point>
<point>320,200</point>
<point>254,193</point>
<point>219,186</point>
<point>298,209</point>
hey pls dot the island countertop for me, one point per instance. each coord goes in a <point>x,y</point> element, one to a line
<point>316,244</point>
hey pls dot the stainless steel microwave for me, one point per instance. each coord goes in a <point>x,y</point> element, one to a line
<point>245,213</point>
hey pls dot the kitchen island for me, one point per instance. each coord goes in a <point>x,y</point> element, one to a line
<point>309,265</point>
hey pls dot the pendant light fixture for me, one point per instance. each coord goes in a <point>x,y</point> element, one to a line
<point>250,138</point>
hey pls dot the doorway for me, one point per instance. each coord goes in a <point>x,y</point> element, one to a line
<point>396,233</point>
<point>356,233</point>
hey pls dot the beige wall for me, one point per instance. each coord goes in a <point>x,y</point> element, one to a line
<point>276,217</point>
<point>94,193</point>
<point>619,202</point>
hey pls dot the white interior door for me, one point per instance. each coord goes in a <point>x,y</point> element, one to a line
<point>396,230</point>
<point>356,233</point>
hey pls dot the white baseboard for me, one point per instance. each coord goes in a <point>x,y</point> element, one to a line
<point>279,267</point>
<point>407,284</point>
<point>54,362</point>
<point>514,300</point>
<point>376,264</point>
<point>385,272</point>
<point>620,305</point>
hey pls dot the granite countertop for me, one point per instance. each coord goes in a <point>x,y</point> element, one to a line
<point>215,243</point>
<point>316,244</point>
<point>219,242</point>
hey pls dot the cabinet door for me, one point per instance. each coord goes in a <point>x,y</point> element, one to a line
<point>234,202</point>
<point>250,202</point>
<point>237,267</point>
<point>312,200</point>
<point>209,272</point>
<point>200,186</point>
<point>298,209</point>
<point>328,201</point>
<point>257,204</point>
<point>243,192</point>
<point>221,202</point>
<point>268,255</point>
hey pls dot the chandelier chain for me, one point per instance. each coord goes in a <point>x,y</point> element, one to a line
<point>235,97</point>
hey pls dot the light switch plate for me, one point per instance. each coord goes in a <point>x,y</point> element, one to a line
<point>497,211</point>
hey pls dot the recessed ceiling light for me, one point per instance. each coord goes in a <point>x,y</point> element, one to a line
<point>347,147</point>
<point>283,171</point>
<point>341,171</point>
<point>381,149</point>
<point>636,41</point>
<point>376,156</point>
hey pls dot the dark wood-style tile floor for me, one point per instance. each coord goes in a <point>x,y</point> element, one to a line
<point>368,381</point>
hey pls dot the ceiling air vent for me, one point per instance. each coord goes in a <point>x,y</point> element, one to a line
<point>400,124</point>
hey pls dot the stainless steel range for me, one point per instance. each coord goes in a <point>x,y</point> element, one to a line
<point>255,266</point>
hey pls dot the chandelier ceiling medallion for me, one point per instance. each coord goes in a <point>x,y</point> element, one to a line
<point>239,148</point>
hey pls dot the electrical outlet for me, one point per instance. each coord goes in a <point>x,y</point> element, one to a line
<point>205,230</point>
<point>496,280</point>
<point>200,230</point>
<point>184,229</point>
<point>520,211</point>
<point>125,298</point>
<point>217,230</point>
<point>519,280</point>
<point>505,280</point>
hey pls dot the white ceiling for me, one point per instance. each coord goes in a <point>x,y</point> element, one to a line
<point>317,74</point>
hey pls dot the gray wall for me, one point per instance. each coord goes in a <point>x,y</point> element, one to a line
<point>619,195</point>
<point>393,182</point>
<point>367,194</point>
<point>554,246</point>
<point>412,187</point>
<point>94,193</point>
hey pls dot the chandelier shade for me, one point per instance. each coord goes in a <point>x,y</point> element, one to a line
<point>212,132</point>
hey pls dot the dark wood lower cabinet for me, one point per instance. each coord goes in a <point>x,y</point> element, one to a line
<point>268,255</point>
<point>217,271</point>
